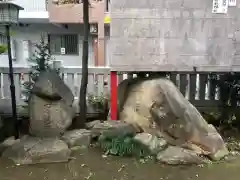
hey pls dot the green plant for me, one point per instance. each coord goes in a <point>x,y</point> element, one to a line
<point>39,62</point>
<point>123,145</point>
<point>99,102</point>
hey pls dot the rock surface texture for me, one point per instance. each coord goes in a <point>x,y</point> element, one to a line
<point>157,107</point>
<point>7,143</point>
<point>49,118</point>
<point>113,128</point>
<point>154,143</point>
<point>50,106</point>
<point>177,35</point>
<point>33,150</point>
<point>78,137</point>
<point>51,86</point>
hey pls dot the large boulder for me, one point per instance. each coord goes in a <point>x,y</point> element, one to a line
<point>157,106</point>
<point>49,118</point>
<point>49,85</point>
<point>33,150</point>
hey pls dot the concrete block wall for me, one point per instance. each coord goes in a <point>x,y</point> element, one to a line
<point>173,35</point>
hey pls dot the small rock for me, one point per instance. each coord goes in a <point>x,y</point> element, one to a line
<point>113,128</point>
<point>10,141</point>
<point>91,124</point>
<point>220,154</point>
<point>79,137</point>
<point>174,155</point>
<point>34,150</point>
<point>154,143</point>
<point>7,143</point>
<point>234,153</point>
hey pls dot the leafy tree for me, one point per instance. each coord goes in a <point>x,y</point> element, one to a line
<point>39,62</point>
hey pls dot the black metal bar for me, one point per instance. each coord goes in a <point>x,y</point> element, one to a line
<point>12,86</point>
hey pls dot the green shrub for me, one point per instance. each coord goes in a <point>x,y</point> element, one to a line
<point>99,102</point>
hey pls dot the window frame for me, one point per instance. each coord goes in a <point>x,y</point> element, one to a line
<point>62,44</point>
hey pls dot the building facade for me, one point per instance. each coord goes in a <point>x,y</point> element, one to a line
<point>61,23</point>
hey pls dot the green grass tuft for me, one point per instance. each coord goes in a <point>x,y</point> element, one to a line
<point>123,145</point>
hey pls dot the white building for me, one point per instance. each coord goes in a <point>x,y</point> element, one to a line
<point>34,22</point>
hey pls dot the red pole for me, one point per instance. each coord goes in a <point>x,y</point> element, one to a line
<point>113,106</point>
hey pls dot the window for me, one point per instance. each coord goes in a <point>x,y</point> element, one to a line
<point>64,44</point>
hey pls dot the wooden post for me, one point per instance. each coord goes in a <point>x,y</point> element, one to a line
<point>113,90</point>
